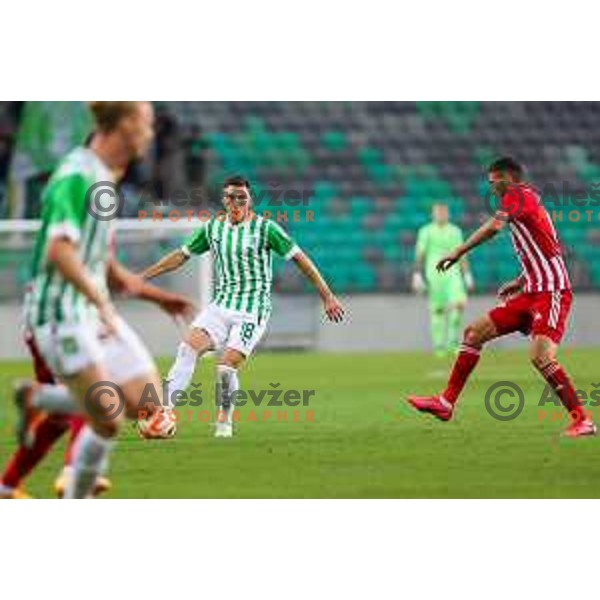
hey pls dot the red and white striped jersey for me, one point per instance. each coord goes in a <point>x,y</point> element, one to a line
<point>535,241</point>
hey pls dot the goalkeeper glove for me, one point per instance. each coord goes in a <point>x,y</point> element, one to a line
<point>418,283</point>
<point>469,281</point>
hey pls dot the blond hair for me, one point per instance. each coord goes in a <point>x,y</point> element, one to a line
<point>108,115</point>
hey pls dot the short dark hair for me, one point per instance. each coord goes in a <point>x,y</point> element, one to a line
<point>506,164</point>
<point>236,181</point>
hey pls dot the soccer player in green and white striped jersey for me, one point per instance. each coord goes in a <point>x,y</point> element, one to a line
<point>242,245</point>
<point>73,322</point>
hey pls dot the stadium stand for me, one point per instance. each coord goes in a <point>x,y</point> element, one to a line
<point>376,168</point>
<point>373,169</point>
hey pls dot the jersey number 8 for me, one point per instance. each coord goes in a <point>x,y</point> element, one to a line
<point>247,331</point>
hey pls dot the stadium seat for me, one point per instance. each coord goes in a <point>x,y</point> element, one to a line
<point>375,168</point>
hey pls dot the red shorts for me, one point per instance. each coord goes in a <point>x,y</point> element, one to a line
<point>541,313</point>
<point>43,374</point>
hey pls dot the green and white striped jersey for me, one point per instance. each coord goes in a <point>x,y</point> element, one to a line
<point>64,214</point>
<point>243,260</point>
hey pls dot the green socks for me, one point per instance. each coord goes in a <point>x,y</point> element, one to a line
<point>446,330</point>
<point>454,328</point>
<point>438,331</point>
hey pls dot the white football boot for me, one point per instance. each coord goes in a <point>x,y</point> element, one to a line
<point>224,430</point>
<point>224,424</point>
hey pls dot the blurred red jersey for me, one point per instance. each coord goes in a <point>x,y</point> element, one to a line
<point>535,241</point>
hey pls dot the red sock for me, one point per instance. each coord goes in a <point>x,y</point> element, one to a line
<point>24,459</point>
<point>559,381</point>
<point>467,360</point>
<point>76,424</point>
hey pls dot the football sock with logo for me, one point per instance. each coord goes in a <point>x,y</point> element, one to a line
<point>181,373</point>
<point>466,361</point>
<point>89,455</point>
<point>228,384</point>
<point>559,381</point>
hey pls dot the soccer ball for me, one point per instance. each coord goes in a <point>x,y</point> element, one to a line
<point>160,426</point>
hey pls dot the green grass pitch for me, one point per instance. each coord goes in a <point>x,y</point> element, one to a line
<point>364,442</point>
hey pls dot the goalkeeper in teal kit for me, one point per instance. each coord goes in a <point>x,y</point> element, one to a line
<point>447,292</point>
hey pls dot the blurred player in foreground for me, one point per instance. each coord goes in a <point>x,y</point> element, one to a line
<point>44,433</point>
<point>46,430</point>
<point>447,295</point>
<point>242,245</point>
<point>537,303</point>
<point>103,364</point>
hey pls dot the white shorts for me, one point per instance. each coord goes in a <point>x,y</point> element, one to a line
<point>231,329</point>
<point>69,348</point>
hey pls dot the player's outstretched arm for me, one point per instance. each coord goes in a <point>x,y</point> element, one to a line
<point>331,305</point>
<point>126,282</point>
<point>486,232</point>
<point>123,281</point>
<point>171,262</point>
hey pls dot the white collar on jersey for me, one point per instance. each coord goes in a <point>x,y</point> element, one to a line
<point>252,217</point>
